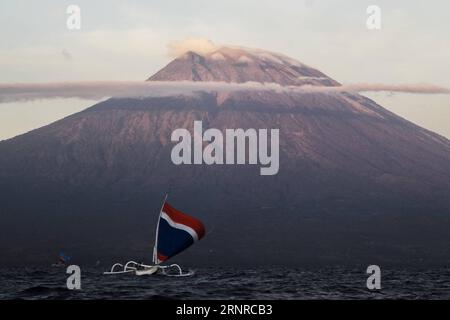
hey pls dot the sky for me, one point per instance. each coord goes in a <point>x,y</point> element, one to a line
<point>128,41</point>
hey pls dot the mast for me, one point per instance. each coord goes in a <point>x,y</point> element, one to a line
<point>155,248</point>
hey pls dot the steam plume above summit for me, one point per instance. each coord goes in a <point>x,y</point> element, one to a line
<point>198,45</point>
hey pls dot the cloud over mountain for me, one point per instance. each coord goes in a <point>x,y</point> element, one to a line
<point>135,89</point>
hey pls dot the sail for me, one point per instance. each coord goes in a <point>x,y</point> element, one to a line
<point>63,258</point>
<point>176,231</point>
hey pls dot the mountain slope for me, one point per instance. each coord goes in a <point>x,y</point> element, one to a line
<point>356,182</point>
<point>234,64</point>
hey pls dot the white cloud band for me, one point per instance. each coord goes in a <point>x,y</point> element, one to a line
<point>96,90</point>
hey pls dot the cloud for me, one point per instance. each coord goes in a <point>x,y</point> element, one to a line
<point>198,45</point>
<point>96,90</point>
<point>404,88</point>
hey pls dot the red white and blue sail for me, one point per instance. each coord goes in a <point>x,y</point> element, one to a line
<point>176,231</point>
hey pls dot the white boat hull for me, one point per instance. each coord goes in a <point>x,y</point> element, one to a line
<point>147,271</point>
<point>140,269</point>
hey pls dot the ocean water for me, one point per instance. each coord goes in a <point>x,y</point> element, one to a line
<point>227,283</point>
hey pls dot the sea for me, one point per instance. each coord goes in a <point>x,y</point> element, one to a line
<point>275,283</point>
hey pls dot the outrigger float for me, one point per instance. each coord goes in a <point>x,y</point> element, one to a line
<point>175,232</point>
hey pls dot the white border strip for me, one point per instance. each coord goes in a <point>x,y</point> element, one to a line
<point>180,226</point>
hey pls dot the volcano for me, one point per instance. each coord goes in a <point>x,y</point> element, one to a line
<point>356,183</point>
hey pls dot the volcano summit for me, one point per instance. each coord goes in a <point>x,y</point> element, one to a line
<point>356,183</point>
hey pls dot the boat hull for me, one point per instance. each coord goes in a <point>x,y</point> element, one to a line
<point>147,271</point>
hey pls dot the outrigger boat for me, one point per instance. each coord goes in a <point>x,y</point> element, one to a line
<point>63,261</point>
<point>175,232</point>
